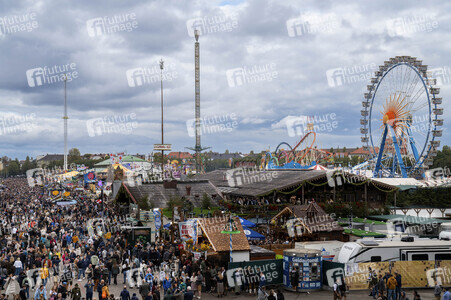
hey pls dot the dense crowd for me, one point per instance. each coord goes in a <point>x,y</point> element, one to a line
<point>54,252</point>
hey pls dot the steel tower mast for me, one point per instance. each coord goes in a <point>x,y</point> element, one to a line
<point>198,148</point>
<point>65,118</point>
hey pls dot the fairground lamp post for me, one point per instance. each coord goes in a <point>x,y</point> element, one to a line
<point>230,229</point>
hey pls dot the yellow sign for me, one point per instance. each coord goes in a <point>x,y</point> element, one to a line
<point>55,193</point>
<point>66,194</point>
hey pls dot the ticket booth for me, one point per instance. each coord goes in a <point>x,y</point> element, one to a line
<point>302,269</point>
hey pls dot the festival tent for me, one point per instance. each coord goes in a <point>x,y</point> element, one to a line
<point>68,175</point>
<point>253,235</point>
<point>115,166</point>
<point>246,223</point>
<point>318,167</point>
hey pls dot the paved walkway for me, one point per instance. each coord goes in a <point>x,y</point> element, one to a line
<point>426,294</point>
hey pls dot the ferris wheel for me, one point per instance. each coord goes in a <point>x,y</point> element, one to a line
<point>401,119</point>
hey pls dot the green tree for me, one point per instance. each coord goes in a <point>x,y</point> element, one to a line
<point>145,204</point>
<point>27,165</point>
<point>14,167</point>
<point>74,155</point>
<point>174,201</point>
<point>206,201</point>
<point>443,158</point>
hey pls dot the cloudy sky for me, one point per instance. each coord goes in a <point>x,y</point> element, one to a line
<point>265,65</point>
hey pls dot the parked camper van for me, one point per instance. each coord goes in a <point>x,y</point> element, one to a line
<point>406,249</point>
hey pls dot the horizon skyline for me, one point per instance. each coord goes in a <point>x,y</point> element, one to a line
<point>266,69</point>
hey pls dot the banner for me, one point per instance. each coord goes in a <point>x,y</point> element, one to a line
<point>116,158</point>
<point>188,230</point>
<point>90,177</point>
<point>238,272</point>
<point>157,215</point>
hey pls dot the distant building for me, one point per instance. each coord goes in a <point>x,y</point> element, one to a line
<point>361,153</point>
<point>128,161</point>
<point>180,155</point>
<point>216,155</point>
<point>310,222</point>
<point>45,160</point>
<point>98,156</point>
<point>159,193</point>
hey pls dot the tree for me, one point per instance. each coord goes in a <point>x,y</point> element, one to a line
<point>74,154</point>
<point>226,151</point>
<point>206,201</point>
<point>174,201</point>
<point>27,165</point>
<point>443,158</point>
<point>145,204</point>
<point>14,167</point>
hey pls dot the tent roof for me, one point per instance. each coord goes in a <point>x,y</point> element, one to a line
<point>253,235</point>
<point>246,223</point>
<point>69,174</point>
<point>408,219</point>
<point>125,158</point>
<point>115,166</point>
<point>212,228</point>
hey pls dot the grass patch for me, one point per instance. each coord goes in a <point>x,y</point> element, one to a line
<point>363,233</point>
<point>361,220</point>
<point>197,211</point>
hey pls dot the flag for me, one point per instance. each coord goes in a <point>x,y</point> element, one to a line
<point>157,215</point>
<point>99,201</point>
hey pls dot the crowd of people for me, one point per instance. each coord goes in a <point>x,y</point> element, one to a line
<point>55,252</point>
<point>49,250</point>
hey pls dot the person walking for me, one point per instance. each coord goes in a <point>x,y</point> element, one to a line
<point>40,293</point>
<point>220,284</point>
<point>115,271</point>
<point>398,285</point>
<point>99,288</point>
<point>89,287</point>
<point>199,283</point>
<point>416,296</point>
<point>381,286</point>
<point>44,272</point>
<point>144,289</point>
<point>261,295</point>
<point>76,292</point>
<point>125,294</point>
<point>105,292</point>
<point>336,290</point>
<point>437,291</point>
<point>446,294</point>
<point>391,287</point>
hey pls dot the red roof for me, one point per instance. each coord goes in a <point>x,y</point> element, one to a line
<point>360,151</point>
<point>180,155</point>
